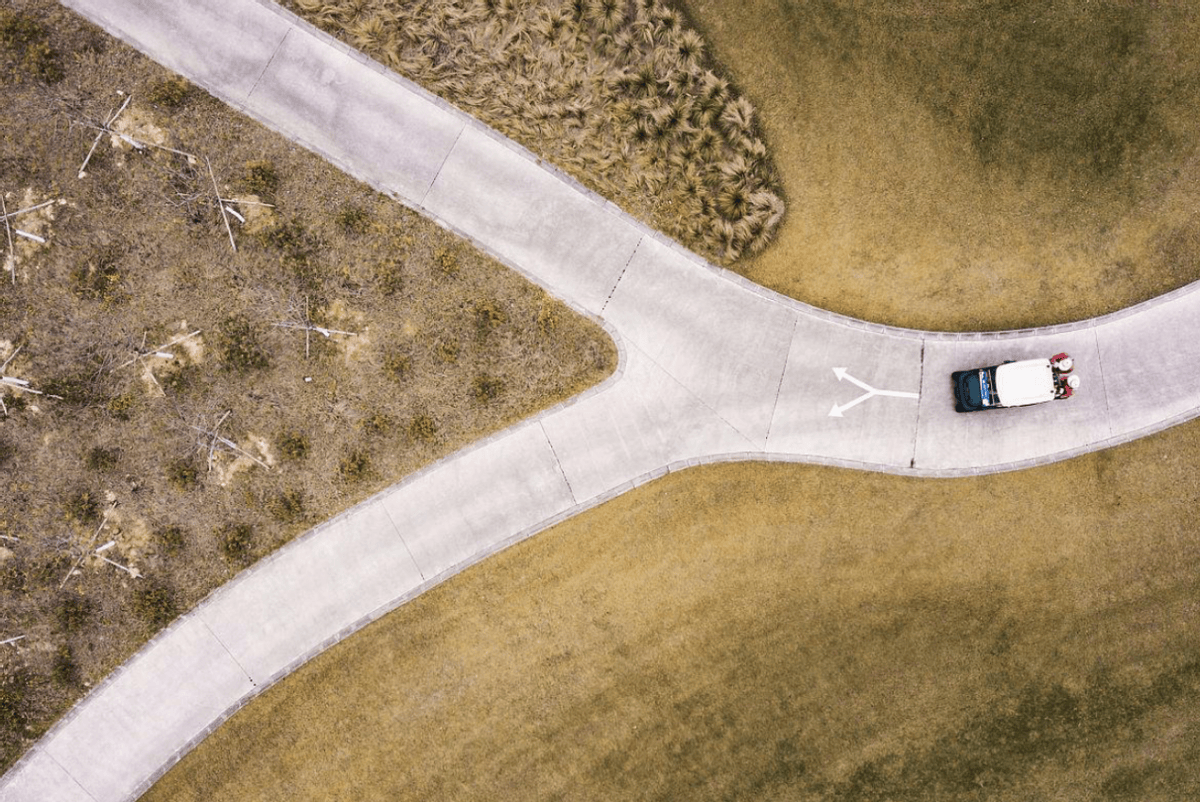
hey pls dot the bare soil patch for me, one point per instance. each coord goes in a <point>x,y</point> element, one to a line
<point>198,407</point>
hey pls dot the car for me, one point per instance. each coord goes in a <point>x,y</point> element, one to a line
<point>1014,384</point>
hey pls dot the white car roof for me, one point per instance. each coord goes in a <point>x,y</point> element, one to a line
<point>1030,381</point>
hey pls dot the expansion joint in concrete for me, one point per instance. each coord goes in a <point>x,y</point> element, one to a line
<point>236,662</point>
<point>779,387</point>
<point>558,463</point>
<point>620,276</point>
<point>270,61</point>
<point>446,158</point>
<point>404,542</point>
<point>1103,381</point>
<point>912,463</point>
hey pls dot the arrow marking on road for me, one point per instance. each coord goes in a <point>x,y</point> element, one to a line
<point>841,373</point>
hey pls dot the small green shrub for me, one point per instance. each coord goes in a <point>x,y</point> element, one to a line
<point>76,389</point>
<point>170,539</point>
<point>260,178</point>
<point>154,604</point>
<point>236,542</point>
<point>353,220</point>
<point>72,612</point>
<point>292,445</point>
<point>170,93</point>
<point>287,506</point>
<point>100,458</point>
<point>239,346</point>
<point>64,670</point>
<point>183,474</point>
<point>180,378</point>
<point>487,388</point>
<point>82,506</point>
<point>422,428</point>
<point>355,466</point>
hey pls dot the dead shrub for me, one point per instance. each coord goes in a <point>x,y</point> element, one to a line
<point>154,603</point>
<point>170,539</point>
<point>397,365</point>
<point>487,388</point>
<point>488,317</point>
<point>169,93</point>
<point>101,459</point>
<point>183,474</point>
<point>236,542</point>
<point>287,506</point>
<point>82,506</point>
<point>292,445</point>
<point>422,428</point>
<point>260,178</point>
<point>355,466</point>
<point>239,345</point>
<point>72,612</point>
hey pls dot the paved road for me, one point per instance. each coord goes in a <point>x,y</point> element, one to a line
<point>711,368</point>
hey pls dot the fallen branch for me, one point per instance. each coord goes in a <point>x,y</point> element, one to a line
<point>247,202</point>
<point>12,251</point>
<point>11,357</point>
<point>133,572</point>
<point>232,446</point>
<point>88,550</point>
<point>100,136</point>
<point>158,351</point>
<point>310,327</point>
<point>22,385</point>
<point>30,208</point>
<point>27,235</point>
<point>217,192</point>
<point>11,640</point>
<point>10,538</point>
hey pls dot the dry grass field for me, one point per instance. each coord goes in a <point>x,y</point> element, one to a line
<point>775,632</point>
<point>445,346</point>
<point>803,633</point>
<point>971,165</point>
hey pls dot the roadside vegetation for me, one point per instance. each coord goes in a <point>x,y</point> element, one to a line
<point>621,94</point>
<point>176,409</point>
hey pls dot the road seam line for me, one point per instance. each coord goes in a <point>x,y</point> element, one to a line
<point>1103,380</point>
<point>54,760</point>
<point>236,662</point>
<point>446,158</point>
<point>621,275</point>
<point>270,61</point>
<point>787,358</point>
<point>403,542</point>
<point>557,461</point>
<point>912,463</point>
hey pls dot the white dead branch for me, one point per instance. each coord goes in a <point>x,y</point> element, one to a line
<point>11,640</point>
<point>27,235</point>
<point>133,572</point>
<point>11,357</point>
<point>217,193</point>
<point>99,136</point>
<point>213,438</point>
<point>28,209</point>
<point>88,550</point>
<point>10,538</point>
<point>308,328</point>
<point>247,202</point>
<point>12,252</point>
<point>158,350</point>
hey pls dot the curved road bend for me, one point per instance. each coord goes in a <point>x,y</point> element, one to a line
<point>712,368</point>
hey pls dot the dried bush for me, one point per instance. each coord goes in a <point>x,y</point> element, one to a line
<point>292,445</point>
<point>72,612</point>
<point>287,506</point>
<point>82,506</point>
<point>446,261</point>
<point>121,407</point>
<point>488,316</point>
<point>397,365</point>
<point>236,542</point>
<point>170,93</point>
<point>98,278</point>
<point>355,466</point>
<point>260,178</point>
<point>63,669</point>
<point>239,345</point>
<point>28,42</point>
<point>154,603</point>
<point>100,458</point>
<point>353,220</point>
<point>183,474</point>
<point>170,539</point>
<point>487,388</point>
<point>422,428</point>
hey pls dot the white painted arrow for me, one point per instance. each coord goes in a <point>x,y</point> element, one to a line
<point>841,373</point>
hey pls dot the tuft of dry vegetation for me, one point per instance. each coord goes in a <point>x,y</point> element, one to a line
<point>201,407</point>
<point>622,95</point>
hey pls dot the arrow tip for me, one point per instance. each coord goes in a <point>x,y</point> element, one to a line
<point>836,412</point>
<point>840,373</point>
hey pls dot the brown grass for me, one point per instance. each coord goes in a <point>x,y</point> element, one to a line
<point>975,167</point>
<point>767,631</point>
<point>620,94</point>
<point>137,255</point>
